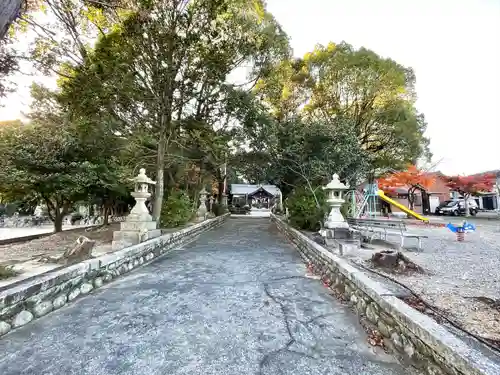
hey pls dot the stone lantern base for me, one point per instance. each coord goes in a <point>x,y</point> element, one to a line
<point>134,232</point>
<point>335,219</point>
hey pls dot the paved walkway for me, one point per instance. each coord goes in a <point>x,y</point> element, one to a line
<point>235,301</point>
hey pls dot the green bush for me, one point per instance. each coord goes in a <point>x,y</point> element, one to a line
<point>176,210</point>
<point>303,210</point>
<point>11,209</point>
<point>277,211</point>
<point>344,209</point>
<point>218,209</point>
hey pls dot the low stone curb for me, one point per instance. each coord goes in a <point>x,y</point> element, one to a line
<point>35,298</point>
<point>13,240</point>
<point>413,335</point>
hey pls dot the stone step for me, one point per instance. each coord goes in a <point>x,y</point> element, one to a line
<point>126,238</point>
<point>137,225</point>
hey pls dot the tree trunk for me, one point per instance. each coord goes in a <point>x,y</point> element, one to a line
<point>9,11</point>
<point>106,214</point>
<point>411,198</point>
<point>466,205</point>
<point>221,179</point>
<point>58,221</point>
<point>160,173</point>
<point>220,188</point>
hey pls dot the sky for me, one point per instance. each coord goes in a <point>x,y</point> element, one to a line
<point>453,47</point>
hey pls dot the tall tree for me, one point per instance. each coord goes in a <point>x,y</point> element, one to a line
<point>294,152</point>
<point>60,162</point>
<point>194,46</point>
<point>42,162</point>
<point>376,94</point>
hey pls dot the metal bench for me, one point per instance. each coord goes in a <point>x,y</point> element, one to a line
<point>378,227</point>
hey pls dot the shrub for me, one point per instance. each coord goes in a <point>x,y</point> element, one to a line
<point>11,209</point>
<point>303,210</point>
<point>218,209</point>
<point>344,209</point>
<point>176,210</point>
<point>277,211</point>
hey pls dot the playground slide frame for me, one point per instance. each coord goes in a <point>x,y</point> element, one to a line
<point>406,210</point>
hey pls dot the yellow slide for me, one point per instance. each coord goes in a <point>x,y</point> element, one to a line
<point>400,206</point>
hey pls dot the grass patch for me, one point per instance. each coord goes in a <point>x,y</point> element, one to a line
<point>6,272</point>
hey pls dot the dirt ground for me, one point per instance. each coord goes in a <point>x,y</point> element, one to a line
<point>54,244</point>
<point>461,279</point>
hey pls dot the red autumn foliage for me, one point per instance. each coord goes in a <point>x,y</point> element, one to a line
<point>469,185</point>
<point>411,180</point>
<point>412,177</point>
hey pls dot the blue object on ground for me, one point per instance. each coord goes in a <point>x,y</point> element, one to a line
<point>468,227</point>
<point>465,227</point>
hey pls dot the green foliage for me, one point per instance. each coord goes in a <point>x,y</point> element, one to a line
<point>175,104</point>
<point>8,64</point>
<point>43,160</point>
<point>218,209</point>
<point>344,209</point>
<point>303,208</point>
<point>55,164</point>
<point>298,152</point>
<point>176,210</point>
<point>10,209</point>
<point>374,96</point>
<point>337,110</point>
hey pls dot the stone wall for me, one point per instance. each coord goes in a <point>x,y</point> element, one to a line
<point>33,299</point>
<point>413,336</point>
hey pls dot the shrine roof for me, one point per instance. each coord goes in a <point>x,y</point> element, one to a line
<point>242,189</point>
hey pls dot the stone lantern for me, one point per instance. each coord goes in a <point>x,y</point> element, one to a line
<point>201,213</point>
<point>141,193</point>
<point>210,213</point>
<point>335,197</point>
<point>139,225</point>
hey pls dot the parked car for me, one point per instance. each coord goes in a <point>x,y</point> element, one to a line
<point>456,207</point>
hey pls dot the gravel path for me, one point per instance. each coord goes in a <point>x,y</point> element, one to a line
<point>54,244</point>
<point>6,233</point>
<point>457,273</point>
<point>235,301</point>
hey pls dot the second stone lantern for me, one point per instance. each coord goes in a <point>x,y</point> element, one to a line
<point>335,197</point>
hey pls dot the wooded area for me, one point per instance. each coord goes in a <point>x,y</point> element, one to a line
<point>151,84</point>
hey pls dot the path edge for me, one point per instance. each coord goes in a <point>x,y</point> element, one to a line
<point>415,336</point>
<point>48,292</point>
